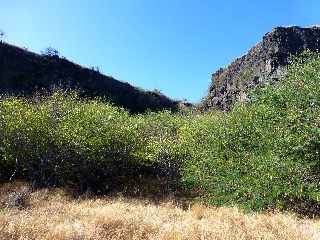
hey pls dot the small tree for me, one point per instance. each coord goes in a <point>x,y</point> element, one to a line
<point>157,91</point>
<point>95,69</point>
<point>51,52</point>
<point>2,35</point>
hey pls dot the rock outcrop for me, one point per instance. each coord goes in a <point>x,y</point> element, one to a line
<point>23,73</point>
<point>267,61</point>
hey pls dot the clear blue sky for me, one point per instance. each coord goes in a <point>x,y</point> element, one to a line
<point>171,45</point>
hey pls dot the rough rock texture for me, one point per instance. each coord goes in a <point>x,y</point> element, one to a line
<point>265,62</point>
<point>23,72</point>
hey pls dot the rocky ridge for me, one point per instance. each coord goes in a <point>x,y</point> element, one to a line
<point>265,62</point>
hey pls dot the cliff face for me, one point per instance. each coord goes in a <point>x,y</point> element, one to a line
<point>265,62</point>
<point>23,72</point>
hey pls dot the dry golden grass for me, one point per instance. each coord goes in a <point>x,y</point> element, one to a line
<point>52,215</point>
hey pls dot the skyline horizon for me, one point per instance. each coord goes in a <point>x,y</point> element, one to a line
<point>173,46</point>
<point>139,87</point>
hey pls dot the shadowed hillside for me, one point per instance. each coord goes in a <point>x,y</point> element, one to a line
<point>23,72</point>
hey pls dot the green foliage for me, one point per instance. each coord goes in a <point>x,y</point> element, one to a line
<point>263,154</point>
<point>61,139</point>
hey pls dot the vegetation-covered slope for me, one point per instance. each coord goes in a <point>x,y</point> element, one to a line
<point>263,154</point>
<point>24,72</point>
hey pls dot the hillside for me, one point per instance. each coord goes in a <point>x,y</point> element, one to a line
<point>265,62</point>
<point>24,72</point>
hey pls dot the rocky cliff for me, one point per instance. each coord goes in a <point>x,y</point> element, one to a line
<point>23,73</point>
<point>264,62</point>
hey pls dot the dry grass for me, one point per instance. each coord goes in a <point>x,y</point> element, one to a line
<point>51,215</point>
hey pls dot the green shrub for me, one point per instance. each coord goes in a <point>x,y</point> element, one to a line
<point>263,154</point>
<point>61,139</point>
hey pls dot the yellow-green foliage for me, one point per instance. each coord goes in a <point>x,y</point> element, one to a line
<point>60,139</point>
<point>262,154</point>
<point>265,153</point>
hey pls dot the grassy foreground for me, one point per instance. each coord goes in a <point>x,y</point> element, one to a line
<point>52,215</point>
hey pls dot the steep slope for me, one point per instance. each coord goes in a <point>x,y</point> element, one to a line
<point>264,62</point>
<point>24,72</point>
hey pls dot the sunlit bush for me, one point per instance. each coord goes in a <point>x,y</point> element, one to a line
<point>262,154</point>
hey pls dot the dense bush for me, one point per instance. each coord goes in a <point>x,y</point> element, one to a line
<point>262,154</point>
<point>61,139</point>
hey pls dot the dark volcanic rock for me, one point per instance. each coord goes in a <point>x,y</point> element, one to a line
<point>23,73</point>
<point>265,62</point>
